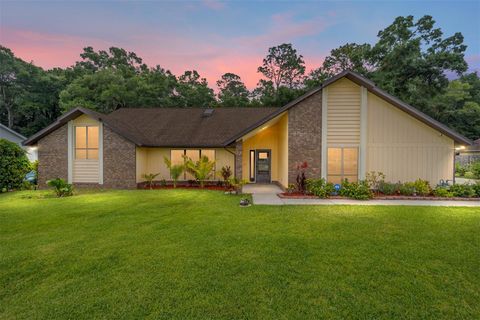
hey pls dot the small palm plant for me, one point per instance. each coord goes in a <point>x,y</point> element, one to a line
<point>149,178</point>
<point>175,170</point>
<point>201,169</point>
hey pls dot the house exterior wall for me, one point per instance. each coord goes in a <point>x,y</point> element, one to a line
<point>119,161</point>
<point>274,137</point>
<point>151,160</point>
<point>305,136</point>
<point>403,148</point>
<point>53,157</point>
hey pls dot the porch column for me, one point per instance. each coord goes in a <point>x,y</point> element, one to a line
<point>238,159</point>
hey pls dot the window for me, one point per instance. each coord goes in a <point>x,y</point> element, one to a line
<point>86,143</point>
<point>176,157</point>
<point>252,165</point>
<point>342,164</point>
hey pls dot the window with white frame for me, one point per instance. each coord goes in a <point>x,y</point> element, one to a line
<point>86,143</point>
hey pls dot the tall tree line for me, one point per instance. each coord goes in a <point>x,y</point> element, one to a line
<point>410,60</point>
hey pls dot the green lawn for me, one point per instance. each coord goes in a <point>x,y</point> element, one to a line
<point>179,254</point>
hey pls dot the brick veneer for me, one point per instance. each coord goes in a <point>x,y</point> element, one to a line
<point>305,136</point>
<point>119,161</point>
<point>53,156</point>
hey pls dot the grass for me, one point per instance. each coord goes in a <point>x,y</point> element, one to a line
<point>181,254</point>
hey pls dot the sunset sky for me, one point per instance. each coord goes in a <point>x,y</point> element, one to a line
<point>214,37</point>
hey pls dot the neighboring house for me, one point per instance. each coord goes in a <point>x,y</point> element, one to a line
<point>15,137</point>
<point>342,129</point>
<point>468,154</point>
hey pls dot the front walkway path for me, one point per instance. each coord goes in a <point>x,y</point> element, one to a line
<point>266,194</point>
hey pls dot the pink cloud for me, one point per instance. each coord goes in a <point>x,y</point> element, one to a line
<point>46,50</point>
<point>283,28</point>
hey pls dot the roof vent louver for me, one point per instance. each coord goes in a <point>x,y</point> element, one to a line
<point>207,113</point>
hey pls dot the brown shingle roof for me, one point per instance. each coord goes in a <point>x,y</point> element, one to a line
<point>169,127</point>
<point>184,127</point>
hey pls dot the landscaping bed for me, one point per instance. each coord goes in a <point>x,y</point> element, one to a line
<point>296,195</point>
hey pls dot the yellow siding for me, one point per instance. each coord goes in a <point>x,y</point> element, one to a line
<point>141,163</point>
<point>151,160</point>
<point>343,113</point>
<point>403,148</point>
<point>85,171</point>
<point>85,120</point>
<point>224,158</point>
<point>274,138</point>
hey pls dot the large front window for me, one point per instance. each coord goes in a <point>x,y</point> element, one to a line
<point>342,164</point>
<point>86,142</point>
<point>177,157</point>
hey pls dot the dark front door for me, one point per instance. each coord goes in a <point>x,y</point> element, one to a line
<point>263,166</point>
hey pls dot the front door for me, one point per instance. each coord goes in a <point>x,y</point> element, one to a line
<point>263,159</point>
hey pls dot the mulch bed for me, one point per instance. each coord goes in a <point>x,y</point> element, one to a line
<point>298,195</point>
<point>196,187</point>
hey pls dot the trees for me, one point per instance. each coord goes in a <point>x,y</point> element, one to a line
<point>411,58</point>
<point>193,91</point>
<point>232,91</point>
<point>283,66</point>
<point>28,94</point>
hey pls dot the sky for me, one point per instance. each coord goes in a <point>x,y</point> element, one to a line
<point>215,37</point>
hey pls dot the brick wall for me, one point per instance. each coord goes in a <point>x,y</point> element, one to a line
<point>53,157</point>
<point>305,136</point>
<point>119,164</point>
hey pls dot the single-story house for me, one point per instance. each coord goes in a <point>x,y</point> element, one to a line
<point>15,137</point>
<point>345,128</point>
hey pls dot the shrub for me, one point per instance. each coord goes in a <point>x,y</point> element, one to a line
<point>201,169</point>
<point>226,173</point>
<point>149,178</point>
<point>442,192</point>
<point>319,187</point>
<point>469,175</point>
<point>61,187</point>
<point>460,170</point>
<point>236,183</point>
<point>175,170</point>
<point>375,179</point>
<point>476,188</point>
<point>356,190</point>
<point>475,169</point>
<point>301,178</point>
<point>422,187</point>
<point>463,190</point>
<point>14,165</point>
<point>291,188</point>
<point>388,188</point>
<point>407,189</point>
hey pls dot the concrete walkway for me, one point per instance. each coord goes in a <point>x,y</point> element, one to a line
<point>266,194</point>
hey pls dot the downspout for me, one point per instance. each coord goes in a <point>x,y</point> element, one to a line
<point>234,159</point>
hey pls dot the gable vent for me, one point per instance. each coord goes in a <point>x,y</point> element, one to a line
<point>207,113</point>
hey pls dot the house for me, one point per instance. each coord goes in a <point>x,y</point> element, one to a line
<point>342,129</point>
<point>15,137</point>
